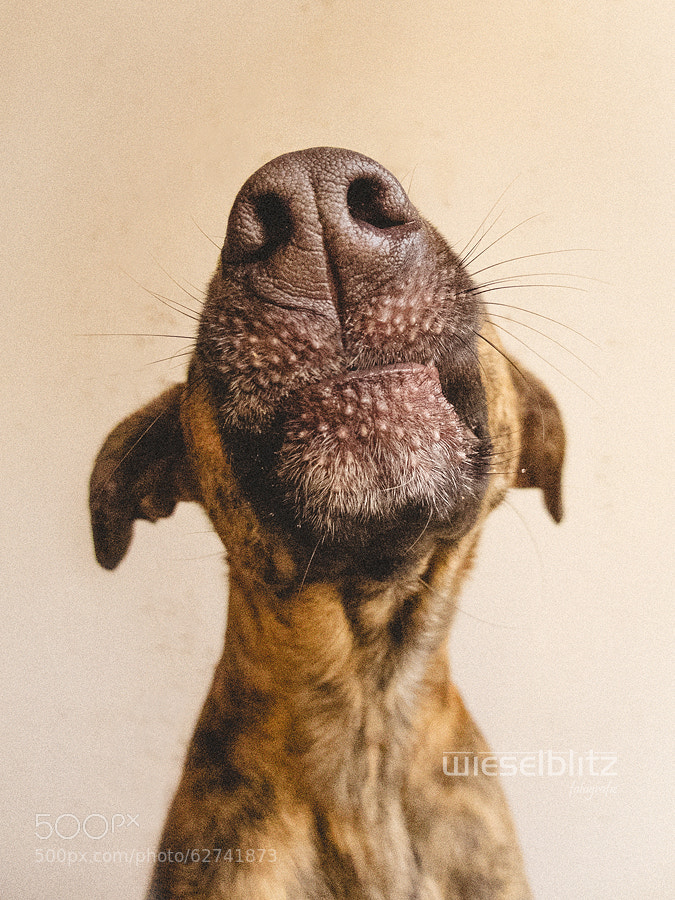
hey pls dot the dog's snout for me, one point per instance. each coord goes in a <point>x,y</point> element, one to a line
<point>327,267</point>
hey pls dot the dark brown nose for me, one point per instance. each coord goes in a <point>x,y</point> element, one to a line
<point>310,226</point>
<point>300,194</point>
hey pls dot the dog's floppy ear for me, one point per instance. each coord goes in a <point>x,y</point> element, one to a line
<point>141,472</point>
<point>542,450</point>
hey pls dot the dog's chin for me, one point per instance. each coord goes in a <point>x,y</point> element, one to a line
<point>379,453</point>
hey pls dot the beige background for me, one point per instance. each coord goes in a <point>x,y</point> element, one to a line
<point>128,127</point>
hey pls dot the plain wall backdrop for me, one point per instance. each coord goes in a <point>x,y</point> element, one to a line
<point>127,129</point>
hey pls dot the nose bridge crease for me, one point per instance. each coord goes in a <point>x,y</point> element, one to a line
<point>331,269</point>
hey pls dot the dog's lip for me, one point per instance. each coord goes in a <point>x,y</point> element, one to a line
<point>383,373</point>
<point>393,371</point>
<point>405,398</point>
<point>374,446</point>
<point>404,368</point>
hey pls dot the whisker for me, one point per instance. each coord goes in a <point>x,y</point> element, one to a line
<point>181,353</point>
<point>472,259</point>
<point>202,556</point>
<point>176,282</point>
<point>200,292</point>
<point>516,287</point>
<point>502,454</point>
<point>546,337</point>
<point>173,305</point>
<point>130,450</point>
<point>306,572</point>
<point>421,534</point>
<point>412,176</point>
<point>152,334</point>
<point>460,255</point>
<point>540,316</point>
<point>520,372</point>
<point>534,255</point>
<point>178,364</point>
<point>207,236</point>
<point>472,351</point>
<point>545,275</point>
<point>476,245</point>
<point>456,606</point>
<point>548,362</point>
<point>396,487</point>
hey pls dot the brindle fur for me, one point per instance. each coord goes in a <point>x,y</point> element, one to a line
<point>321,741</point>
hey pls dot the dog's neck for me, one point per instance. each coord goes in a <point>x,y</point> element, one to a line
<point>322,680</point>
<point>331,668</point>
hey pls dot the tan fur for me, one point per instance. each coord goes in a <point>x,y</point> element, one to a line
<point>321,741</point>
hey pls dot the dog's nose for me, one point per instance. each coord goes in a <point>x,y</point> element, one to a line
<point>315,223</point>
<point>313,191</point>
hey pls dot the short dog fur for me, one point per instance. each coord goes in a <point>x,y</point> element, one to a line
<point>348,422</point>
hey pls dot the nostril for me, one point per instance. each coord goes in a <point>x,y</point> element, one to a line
<point>275,222</point>
<point>370,200</point>
<point>258,226</point>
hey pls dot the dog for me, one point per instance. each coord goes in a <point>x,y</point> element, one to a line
<point>348,421</point>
